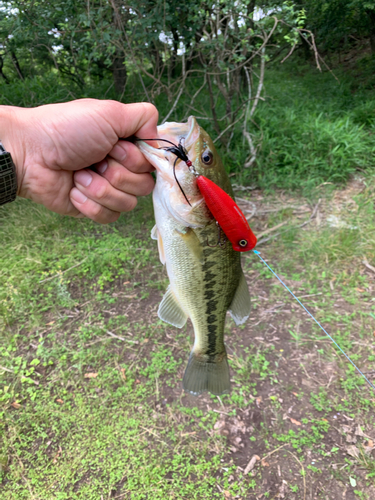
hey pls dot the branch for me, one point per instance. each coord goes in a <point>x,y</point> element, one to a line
<point>264,240</point>
<point>247,135</point>
<point>260,83</point>
<point>289,53</point>
<point>365,262</point>
<point>253,150</point>
<point>182,86</point>
<point>228,127</point>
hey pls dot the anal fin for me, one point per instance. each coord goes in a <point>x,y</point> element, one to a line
<point>241,306</point>
<point>170,310</point>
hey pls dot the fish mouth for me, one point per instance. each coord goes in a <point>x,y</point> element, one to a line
<point>176,132</point>
<point>187,133</point>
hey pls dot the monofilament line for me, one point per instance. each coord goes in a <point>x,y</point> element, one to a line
<point>316,321</point>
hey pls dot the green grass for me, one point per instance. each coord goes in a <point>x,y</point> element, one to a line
<point>312,129</point>
<point>88,415</point>
<point>315,129</point>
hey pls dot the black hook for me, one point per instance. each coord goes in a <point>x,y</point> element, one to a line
<point>179,151</point>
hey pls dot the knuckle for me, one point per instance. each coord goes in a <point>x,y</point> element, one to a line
<point>101,191</point>
<point>150,109</point>
<point>96,211</point>
<point>112,106</point>
<point>131,203</point>
<point>116,177</point>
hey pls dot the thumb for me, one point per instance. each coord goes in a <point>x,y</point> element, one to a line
<point>131,119</point>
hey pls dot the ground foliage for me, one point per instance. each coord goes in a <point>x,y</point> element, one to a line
<point>91,397</point>
<point>310,128</point>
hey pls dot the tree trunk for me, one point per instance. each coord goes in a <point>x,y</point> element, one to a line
<point>371,15</point>
<point>119,71</point>
<point>174,52</point>
<point>16,64</point>
<point>1,70</point>
<point>157,58</point>
<point>118,65</point>
<point>250,14</point>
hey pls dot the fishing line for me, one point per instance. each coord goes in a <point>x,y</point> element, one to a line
<point>316,321</point>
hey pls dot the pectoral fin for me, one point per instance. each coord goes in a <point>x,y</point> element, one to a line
<point>192,242</point>
<point>155,235</point>
<point>240,306</point>
<point>170,310</point>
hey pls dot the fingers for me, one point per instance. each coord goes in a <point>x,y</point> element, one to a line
<point>102,195</point>
<point>128,155</point>
<point>125,180</point>
<point>91,209</point>
<point>128,119</point>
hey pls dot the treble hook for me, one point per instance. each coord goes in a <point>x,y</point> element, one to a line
<point>220,243</point>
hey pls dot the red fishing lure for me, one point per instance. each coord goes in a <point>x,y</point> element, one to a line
<point>227,213</point>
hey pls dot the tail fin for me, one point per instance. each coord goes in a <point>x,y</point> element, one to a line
<point>201,376</point>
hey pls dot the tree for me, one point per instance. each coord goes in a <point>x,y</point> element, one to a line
<point>208,52</point>
<point>338,23</point>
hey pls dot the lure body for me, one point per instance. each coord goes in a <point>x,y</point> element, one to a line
<point>228,215</point>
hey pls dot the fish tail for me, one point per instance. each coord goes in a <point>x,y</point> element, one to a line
<point>207,376</point>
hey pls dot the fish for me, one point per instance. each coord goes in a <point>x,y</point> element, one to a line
<point>206,278</point>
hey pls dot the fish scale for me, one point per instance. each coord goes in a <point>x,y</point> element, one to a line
<point>220,280</point>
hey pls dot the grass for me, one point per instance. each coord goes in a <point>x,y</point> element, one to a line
<point>312,129</point>
<point>315,129</point>
<point>91,414</point>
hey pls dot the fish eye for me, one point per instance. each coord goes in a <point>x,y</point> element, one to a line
<point>207,157</point>
<point>242,243</point>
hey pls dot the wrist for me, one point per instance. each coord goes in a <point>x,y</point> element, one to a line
<point>10,137</point>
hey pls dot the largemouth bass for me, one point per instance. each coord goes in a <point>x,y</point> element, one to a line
<point>206,280</point>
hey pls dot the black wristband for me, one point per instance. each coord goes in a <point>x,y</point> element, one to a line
<point>8,177</point>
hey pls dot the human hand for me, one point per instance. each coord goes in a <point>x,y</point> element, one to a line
<point>54,146</point>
